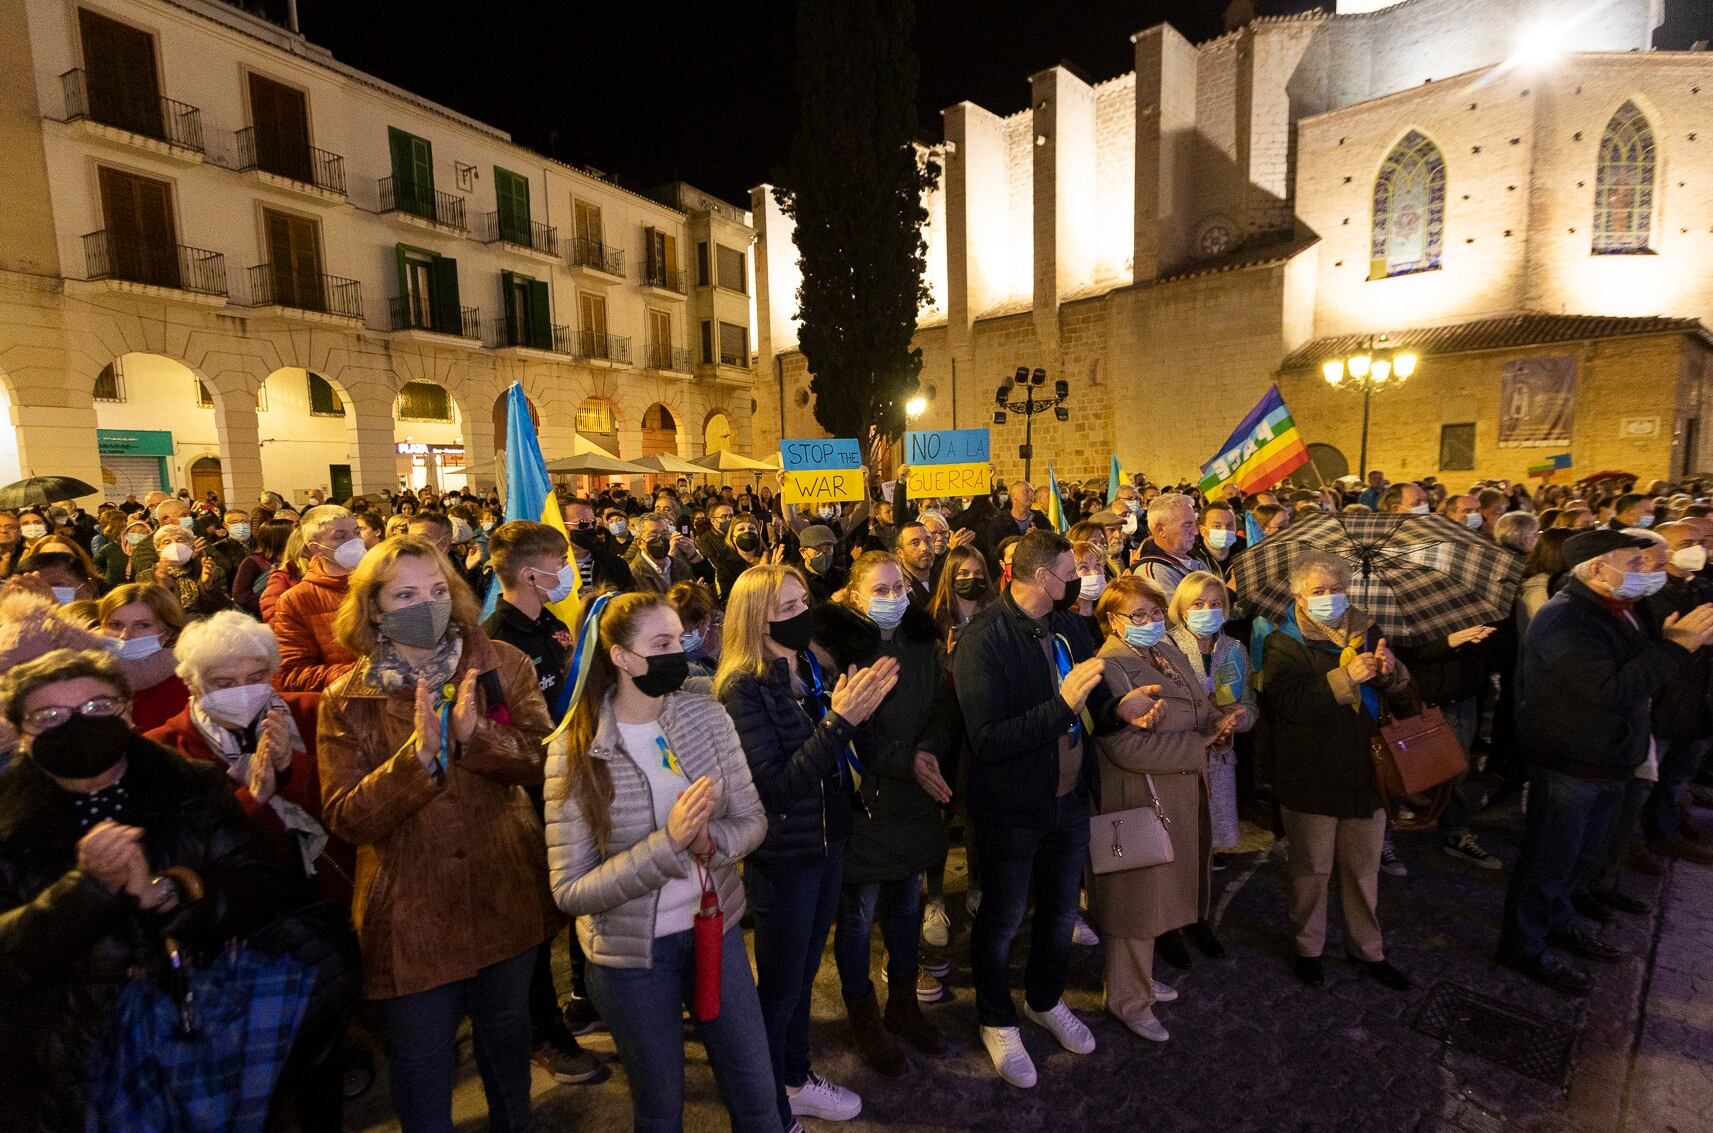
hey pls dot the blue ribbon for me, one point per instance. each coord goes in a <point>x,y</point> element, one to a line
<point>1062,662</point>
<point>578,671</point>
<point>850,767</point>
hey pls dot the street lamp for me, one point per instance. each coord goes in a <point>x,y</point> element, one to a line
<point>1029,406</point>
<point>1369,372</point>
<point>916,406</point>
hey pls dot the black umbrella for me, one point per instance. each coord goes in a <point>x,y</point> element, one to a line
<point>40,491</point>
<point>1422,577</point>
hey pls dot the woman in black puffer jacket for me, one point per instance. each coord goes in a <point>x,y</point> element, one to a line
<point>796,718</point>
<point>898,832</point>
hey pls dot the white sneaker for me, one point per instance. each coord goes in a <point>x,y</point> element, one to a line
<point>972,901</point>
<point>1164,993</point>
<point>1065,1027</point>
<point>817,1097</point>
<point>1005,1046</point>
<point>1084,935</point>
<point>936,926</point>
<point>1149,1028</point>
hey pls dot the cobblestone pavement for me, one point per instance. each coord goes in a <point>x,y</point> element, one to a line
<point>1252,1049</point>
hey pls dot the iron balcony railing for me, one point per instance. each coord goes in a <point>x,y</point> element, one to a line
<point>668,357</point>
<point>107,255</point>
<point>405,312</point>
<point>419,200</point>
<point>659,275</point>
<point>516,332</point>
<point>612,347</point>
<point>523,233</point>
<point>154,116</point>
<point>598,254</point>
<point>304,164</point>
<point>277,285</point>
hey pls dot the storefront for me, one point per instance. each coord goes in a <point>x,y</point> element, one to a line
<point>426,466</point>
<point>134,461</point>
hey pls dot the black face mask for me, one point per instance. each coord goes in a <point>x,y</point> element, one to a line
<point>748,542</point>
<point>971,587</point>
<point>792,633</point>
<point>666,673</point>
<point>588,540</point>
<point>816,564</point>
<point>1068,600</point>
<point>658,548</point>
<point>82,747</point>
<point>720,525</point>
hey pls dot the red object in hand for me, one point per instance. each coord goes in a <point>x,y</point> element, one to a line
<point>709,939</point>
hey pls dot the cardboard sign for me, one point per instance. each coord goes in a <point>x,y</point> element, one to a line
<point>822,471</point>
<point>947,462</point>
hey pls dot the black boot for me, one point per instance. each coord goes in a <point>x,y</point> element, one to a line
<point>1169,946</point>
<point>876,1047</point>
<point>1201,935</point>
<point>904,1018</point>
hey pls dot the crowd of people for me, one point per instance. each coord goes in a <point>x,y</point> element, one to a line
<point>361,735</point>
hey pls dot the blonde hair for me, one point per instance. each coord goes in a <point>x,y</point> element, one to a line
<point>1190,589</point>
<point>355,625</point>
<point>743,651</point>
<point>163,602</point>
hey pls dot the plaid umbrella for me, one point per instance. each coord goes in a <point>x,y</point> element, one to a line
<point>1421,577</point>
<point>205,1057</point>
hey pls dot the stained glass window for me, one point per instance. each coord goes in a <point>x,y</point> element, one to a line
<point>1624,184</point>
<point>1409,209</point>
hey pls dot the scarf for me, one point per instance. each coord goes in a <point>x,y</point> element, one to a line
<point>389,672</point>
<point>1369,700</point>
<point>1225,684</point>
<point>238,747</point>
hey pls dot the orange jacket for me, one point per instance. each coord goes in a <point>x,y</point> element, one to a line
<point>310,659</point>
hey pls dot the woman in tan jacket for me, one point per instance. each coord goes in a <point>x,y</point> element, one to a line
<point>426,747</point>
<point>1164,761</point>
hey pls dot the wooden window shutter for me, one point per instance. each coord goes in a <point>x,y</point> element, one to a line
<point>540,316</point>
<point>443,280</point>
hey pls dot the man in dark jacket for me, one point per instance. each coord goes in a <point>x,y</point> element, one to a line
<point>1020,519</point>
<point>1449,674</point>
<point>820,563</point>
<point>1031,690</point>
<point>1589,671</point>
<point>597,564</point>
<point>1683,709</point>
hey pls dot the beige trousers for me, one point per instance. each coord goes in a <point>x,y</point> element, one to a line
<point>1129,976</point>
<point>1318,844</point>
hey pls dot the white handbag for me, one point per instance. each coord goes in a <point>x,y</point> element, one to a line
<point>1130,839</point>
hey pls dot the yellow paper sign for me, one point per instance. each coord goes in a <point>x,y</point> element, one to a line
<point>948,480</point>
<point>824,486</point>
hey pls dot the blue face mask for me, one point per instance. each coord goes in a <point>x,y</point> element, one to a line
<point>1204,623</point>
<point>1144,636</point>
<point>1639,584</point>
<point>1328,609</point>
<point>692,640</point>
<point>888,612</point>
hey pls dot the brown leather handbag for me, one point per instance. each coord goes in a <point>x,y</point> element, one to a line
<point>1414,755</point>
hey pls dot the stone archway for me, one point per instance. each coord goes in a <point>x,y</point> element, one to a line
<point>500,414</point>
<point>598,423</point>
<point>716,432</point>
<point>659,431</point>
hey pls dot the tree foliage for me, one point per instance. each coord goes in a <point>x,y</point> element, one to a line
<point>854,189</point>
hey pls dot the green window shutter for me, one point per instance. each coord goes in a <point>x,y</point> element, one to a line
<point>443,278</point>
<point>508,295</point>
<point>540,333</point>
<point>413,172</point>
<point>404,273</point>
<point>511,192</point>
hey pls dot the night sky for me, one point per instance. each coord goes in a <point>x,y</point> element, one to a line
<point>655,92</point>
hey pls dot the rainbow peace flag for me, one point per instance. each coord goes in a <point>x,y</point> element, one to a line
<point>1055,509</point>
<point>1261,451</point>
<point>1555,463</point>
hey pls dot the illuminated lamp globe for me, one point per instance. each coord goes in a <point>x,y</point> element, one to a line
<point>1404,365</point>
<point>1333,372</point>
<point>916,406</point>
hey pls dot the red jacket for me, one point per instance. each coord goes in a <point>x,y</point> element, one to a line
<point>153,706</point>
<point>310,659</point>
<point>282,580</point>
<point>338,862</point>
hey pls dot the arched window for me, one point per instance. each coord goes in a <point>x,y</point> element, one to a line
<point>1624,184</point>
<point>1409,209</point>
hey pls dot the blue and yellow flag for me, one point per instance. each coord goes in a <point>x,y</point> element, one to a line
<point>1263,449</point>
<point>1055,509</point>
<point>1113,478</point>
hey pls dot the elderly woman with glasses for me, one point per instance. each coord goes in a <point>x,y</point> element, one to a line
<point>265,742</point>
<point>107,843</point>
<point>194,578</point>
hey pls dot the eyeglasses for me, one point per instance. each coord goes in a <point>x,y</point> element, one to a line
<point>1142,617</point>
<point>581,524</point>
<point>40,720</point>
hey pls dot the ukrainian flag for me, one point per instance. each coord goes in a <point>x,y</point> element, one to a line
<point>1055,509</point>
<point>1263,449</point>
<point>1113,478</point>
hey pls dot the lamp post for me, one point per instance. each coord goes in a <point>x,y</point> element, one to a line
<point>1368,373</point>
<point>1029,406</point>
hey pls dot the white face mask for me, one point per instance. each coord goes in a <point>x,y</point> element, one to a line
<point>32,531</point>
<point>1420,509</point>
<point>1473,521</point>
<point>1219,538</point>
<point>461,532</point>
<point>1689,559</point>
<point>65,595</point>
<point>237,707</point>
<point>566,578</point>
<point>1092,587</point>
<point>136,648</point>
<point>176,553</point>
<point>349,553</point>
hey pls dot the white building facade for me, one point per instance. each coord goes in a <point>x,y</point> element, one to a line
<point>1519,190</point>
<point>230,262</point>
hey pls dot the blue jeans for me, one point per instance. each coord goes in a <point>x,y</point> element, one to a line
<point>422,1034</point>
<point>794,905</point>
<point>1462,717</point>
<point>900,907</point>
<point>1564,836</point>
<point>1679,760</point>
<point>1622,830</point>
<point>1011,858</point>
<point>644,1009</point>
